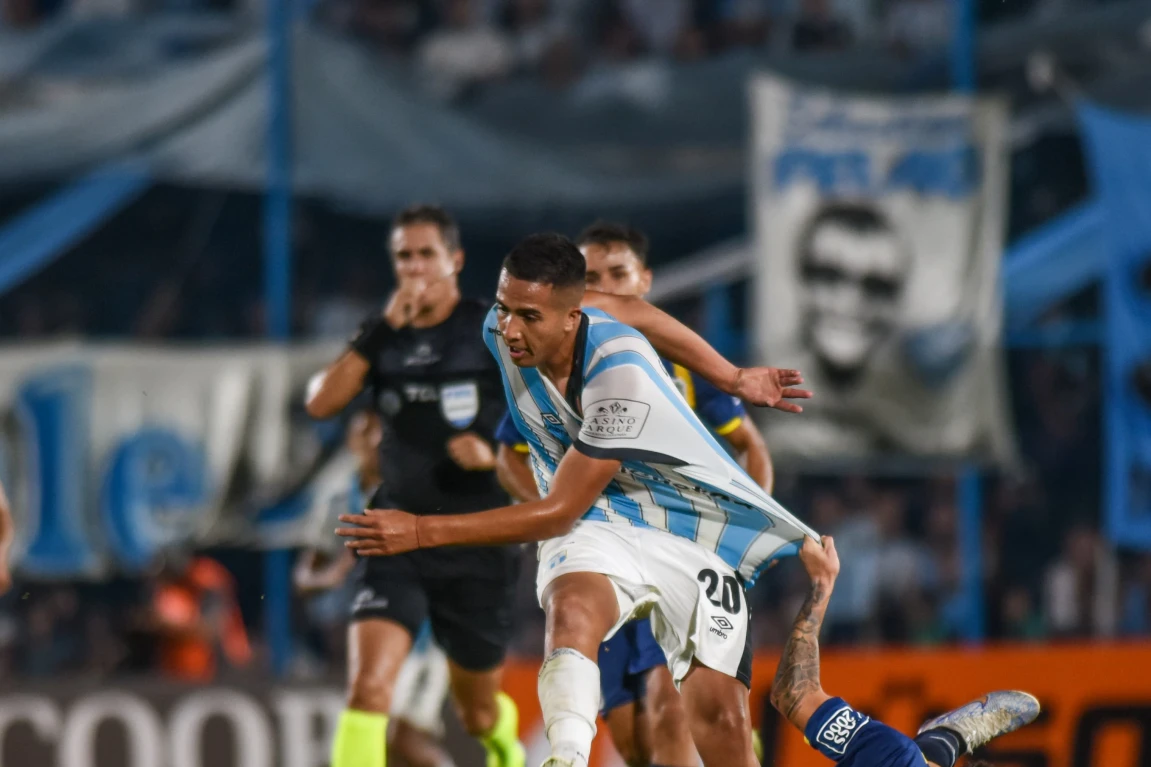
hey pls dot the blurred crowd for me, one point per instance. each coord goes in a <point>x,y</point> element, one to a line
<point>456,45</point>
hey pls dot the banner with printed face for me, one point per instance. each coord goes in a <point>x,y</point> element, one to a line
<point>878,236</point>
<point>111,453</point>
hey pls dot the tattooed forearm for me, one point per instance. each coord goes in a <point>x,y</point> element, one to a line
<point>798,672</point>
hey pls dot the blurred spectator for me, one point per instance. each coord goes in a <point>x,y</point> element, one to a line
<point>817,29</point>
<point>743,23</point>
<point>664,27</point>
<point>1136,616</point>
<point>1081,588</point>
<point>464,52</point>
<point>1019,618</point>
<point>857,536</point>
<point>52,634</point>
<point>196,619</point>
<point>534,29</point>
<point>918,27</point>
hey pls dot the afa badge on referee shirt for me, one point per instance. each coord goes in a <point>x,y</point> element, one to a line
<point>460,403</point>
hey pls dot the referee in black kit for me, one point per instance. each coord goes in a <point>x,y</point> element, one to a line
<point>438,391</point>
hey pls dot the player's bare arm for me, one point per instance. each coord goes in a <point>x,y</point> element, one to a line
<point>765,387</point>
<point>796,691</point>
<point>7,533</point>
<point>753,454</point>
<point>514,471</point>
<point>579,481</point>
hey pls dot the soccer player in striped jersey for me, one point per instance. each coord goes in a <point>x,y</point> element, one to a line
<point>851,739</point>
<point>643,513</point>
<point>642,709</point>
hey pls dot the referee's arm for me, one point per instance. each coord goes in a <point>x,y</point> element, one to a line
<point>579,481</point>
<point>330,391</point>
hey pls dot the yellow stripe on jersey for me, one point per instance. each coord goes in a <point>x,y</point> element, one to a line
<point>687,386</point>
<point>730,426</point>
<point>521,448</point>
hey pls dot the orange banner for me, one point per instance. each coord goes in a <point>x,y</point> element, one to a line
<point>1096,700</point>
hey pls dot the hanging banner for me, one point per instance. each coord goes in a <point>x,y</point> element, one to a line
<point>878,235</point>
<point>111,453</point>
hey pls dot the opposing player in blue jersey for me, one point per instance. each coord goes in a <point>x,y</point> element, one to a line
<point>852,739</point>
<point>643,513</point>
<point>642,709</point>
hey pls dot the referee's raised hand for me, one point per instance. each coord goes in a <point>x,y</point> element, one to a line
<point>380,532</point>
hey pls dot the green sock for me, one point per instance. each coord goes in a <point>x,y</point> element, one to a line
<point>502,743</point>
<point>361,740</point>
<point>757,745</point>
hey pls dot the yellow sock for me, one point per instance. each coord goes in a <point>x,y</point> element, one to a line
<point>361,740</point>
<point>502,742</point>
<point>756,745</point>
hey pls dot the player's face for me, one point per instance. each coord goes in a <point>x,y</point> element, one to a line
<point>421,258</point>
<point>534,320</point>
<point>615,268</point>
<point>852,282</point>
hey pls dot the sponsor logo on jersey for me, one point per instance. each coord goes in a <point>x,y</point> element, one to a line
<point>615,419</point>
<point>422,355</point>
<point>420,393</point>
<point>837,732</point>
<point>554,420</point>
<point>460,403</point>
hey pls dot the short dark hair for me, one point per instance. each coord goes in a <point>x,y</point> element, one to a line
<point>547,259</point>
<point>608,232</point>
<point>431,214</point>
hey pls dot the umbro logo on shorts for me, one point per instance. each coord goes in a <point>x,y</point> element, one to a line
<point>721,627</point>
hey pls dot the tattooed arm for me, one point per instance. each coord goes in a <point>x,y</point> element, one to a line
<point>796,691</point>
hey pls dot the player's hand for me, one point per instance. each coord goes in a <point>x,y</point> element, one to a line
<point>770,387</point>
<point>472,452</point>
<point>380,532</point>
<point>820,559</point>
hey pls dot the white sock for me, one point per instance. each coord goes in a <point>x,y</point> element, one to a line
<point>569,698</point>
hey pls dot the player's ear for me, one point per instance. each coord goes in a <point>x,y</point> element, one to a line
<point>645,281</point>
<point>458,261</point>
<point>573,319</point>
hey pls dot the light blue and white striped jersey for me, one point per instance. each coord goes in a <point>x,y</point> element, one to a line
<point>622,404</point>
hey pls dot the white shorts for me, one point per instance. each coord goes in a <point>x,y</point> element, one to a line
<point>421,688</point>
<point>696,603</point>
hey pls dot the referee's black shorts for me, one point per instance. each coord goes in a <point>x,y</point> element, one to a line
<point>467,594</point>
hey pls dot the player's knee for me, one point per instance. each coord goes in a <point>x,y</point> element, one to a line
<point>669,720</point>
<point>577,616</point>
<point>477,716</point>
<point>725,723</point>
<point>370,692</point>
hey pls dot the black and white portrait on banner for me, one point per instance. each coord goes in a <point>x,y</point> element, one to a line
<point>878,238</point>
